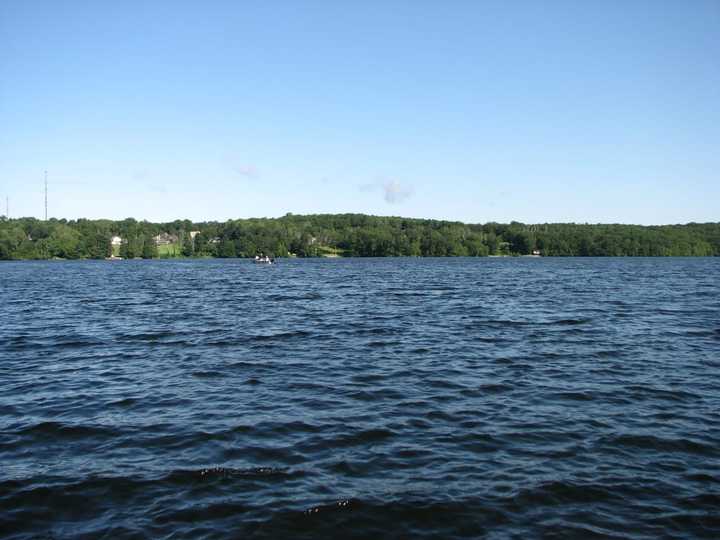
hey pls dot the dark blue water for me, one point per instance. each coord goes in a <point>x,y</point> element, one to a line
<point>388,398</point>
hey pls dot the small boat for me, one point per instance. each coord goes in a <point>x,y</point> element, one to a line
<point>260,259</point>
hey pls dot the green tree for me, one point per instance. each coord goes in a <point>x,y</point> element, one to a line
<point>227,248</point>
<point>188,249</point>
<point>150,249</point>
<point>63,242</point>
<point>95,245</point>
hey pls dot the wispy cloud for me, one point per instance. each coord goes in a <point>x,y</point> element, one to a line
<point>248,171</point>
<point>395,192</point>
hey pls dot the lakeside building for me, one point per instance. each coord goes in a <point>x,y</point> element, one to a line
<point>165,239</point>
<point>115,241</point>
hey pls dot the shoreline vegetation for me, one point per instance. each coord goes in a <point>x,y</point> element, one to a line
<point>344,235</point>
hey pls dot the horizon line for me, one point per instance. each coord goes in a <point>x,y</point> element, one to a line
<point>291,214</point>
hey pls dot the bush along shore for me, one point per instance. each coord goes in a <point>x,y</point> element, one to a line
<point>344,235</point>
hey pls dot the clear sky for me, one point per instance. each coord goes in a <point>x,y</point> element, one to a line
<point>535,111</point>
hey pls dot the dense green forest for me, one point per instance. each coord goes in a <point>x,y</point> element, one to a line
<point>353,235</point>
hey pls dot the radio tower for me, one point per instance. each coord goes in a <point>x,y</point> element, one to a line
<point>45,195</point>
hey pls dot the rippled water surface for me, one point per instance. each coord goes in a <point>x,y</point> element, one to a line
<point>387,398</point>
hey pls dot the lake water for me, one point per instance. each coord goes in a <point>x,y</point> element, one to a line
<point>394,398</point>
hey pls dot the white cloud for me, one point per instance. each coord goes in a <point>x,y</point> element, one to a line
<point>395,192</point>
<point>248,171</point>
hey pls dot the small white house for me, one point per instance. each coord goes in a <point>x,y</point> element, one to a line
<point>116,241</point>
<point>164,239</point>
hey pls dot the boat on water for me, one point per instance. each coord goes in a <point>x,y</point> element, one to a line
<point>263,259</point>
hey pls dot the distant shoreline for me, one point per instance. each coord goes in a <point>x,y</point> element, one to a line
<point>449,257</point>
<point>345,235</point>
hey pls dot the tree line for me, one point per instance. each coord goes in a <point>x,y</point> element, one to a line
<point>354,235</point>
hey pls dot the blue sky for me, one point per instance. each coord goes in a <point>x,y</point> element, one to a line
<point>604,111</point>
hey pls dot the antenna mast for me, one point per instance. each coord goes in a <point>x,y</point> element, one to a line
<point>45,195</point>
